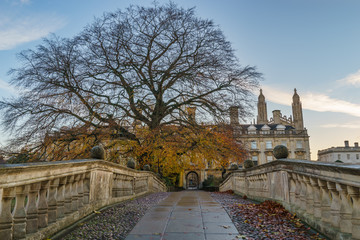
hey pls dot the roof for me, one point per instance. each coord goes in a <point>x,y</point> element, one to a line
<point>272,126</point>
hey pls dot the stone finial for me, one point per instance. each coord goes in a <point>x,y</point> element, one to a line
<point>248,163</point>
<point>146,167</point>
<point>97,152</point>
<point>131,163</point>
<point>280,151</point>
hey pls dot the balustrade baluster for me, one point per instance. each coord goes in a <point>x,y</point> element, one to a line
<point>68,191</point>
<point>317,197</point>
<point>355,218</point>
<point>309,197</point>
<point>325,202</point>
<point>302,195</point>
<point>19,228</point>
<point>74,194</point>
<point>31,208</point>
<point>6,218</point>
<point>345,209</point>
<point>80,191</point>
<point>297,193</point>
<point>43,205</point>
<point>292,190</point>
<point>86,188</point>
<point>335,205</point>
<point>52,203</point>
<point>60,197</point>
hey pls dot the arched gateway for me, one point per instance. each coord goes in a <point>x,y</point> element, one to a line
<point>192,180</point>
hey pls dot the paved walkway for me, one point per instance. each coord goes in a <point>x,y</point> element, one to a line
<point>186,215</point>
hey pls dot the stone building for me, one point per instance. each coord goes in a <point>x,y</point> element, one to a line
<point>345,154</point>
<point>261,137</point>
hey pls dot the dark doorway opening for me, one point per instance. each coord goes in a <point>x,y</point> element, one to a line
<point>192,180</point>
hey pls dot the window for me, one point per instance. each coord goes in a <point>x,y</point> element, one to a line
<point>269,158</point>
<point>255,160</point>
<point>299,144</point>
<point>348,156</point>
<point>253,145</point>
<point>284,143</point>
<point>357,156</point>
<point>339,156</point>
<point>268,144</point>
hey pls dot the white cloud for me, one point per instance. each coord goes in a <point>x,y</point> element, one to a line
<point>17,31</point>
<point>313,101</point>
<point>351,79</point>
<point>350,125</point>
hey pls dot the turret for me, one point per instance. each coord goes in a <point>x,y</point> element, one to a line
<point>297,112</point>
<point>262,111</point>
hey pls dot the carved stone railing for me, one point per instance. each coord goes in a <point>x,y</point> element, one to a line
<point>324,195</point>
<point>39,199</point>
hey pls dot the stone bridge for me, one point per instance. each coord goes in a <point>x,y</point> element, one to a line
<point>39,199</point>
<point>324,195</point>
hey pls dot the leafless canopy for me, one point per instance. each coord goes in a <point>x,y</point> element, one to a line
<point>144,64</point>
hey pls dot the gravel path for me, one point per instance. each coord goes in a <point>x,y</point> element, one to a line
<point>116,222</point>
<point>267,220</point>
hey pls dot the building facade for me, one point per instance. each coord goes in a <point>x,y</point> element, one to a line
<point>345,154</point>
<point>261,137</point>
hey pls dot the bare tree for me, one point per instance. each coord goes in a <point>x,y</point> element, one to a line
<point>142,64</point>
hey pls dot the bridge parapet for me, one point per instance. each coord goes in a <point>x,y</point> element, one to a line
<point>39,199</point>
<point>325,195</point>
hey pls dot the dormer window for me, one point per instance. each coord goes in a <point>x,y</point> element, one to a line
<point>280,129</point>
<point>251,129</point>
<point>265,129</point>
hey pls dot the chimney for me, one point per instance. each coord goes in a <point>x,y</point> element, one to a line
<point>276,116</point>
<point>191,113</point>
<point>346,143</point>
<point>234,115</point>
<point>356,144</point>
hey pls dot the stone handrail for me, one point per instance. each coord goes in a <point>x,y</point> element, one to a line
<point>324,195</point>
<point>39,199</point>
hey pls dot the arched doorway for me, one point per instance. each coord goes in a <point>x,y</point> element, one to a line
<point>192,180</point>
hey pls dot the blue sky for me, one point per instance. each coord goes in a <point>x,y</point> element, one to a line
<point>311,45</point>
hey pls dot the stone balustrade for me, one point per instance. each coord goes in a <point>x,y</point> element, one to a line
<point>324,195</point>
<point>39,199</point>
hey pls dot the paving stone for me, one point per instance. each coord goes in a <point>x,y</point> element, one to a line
<point>220,227</point>
<point>182,236</point>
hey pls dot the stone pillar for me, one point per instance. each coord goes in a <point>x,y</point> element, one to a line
<point>43,205</point>
<point>68,191</point>
<point>335,205</point>
<point>6,218</point>
<point>31,208</point>
<point>19,228</point>
<point>52,201</point>
<point>355,218</point>
<point>60,197</point>
<point>317,197</point>
<point>345,209</point>
<point>325,202</point>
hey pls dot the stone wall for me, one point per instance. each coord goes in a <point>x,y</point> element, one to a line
<point>324,195</point>
<point>39,199</point>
